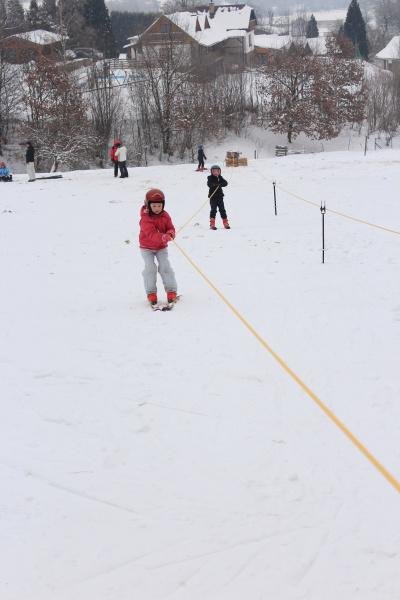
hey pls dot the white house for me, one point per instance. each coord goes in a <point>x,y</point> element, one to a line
<point>389,57</point>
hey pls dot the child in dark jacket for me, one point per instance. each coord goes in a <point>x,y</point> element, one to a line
<point>216,182</point>
<point>201,157</point>
<point>156,231</point>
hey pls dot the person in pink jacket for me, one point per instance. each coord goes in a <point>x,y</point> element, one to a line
<point>156,231</point>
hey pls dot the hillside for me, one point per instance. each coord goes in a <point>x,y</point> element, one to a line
<point>183,455</point>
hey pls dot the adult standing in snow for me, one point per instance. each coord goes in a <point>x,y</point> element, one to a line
<point>201,157</point>
<point>30,161</point>
<point>215,182</point>
<point>114,159</point>
<point>120,154</point>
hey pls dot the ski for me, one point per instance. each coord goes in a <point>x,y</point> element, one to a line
<point>49,177</point>
<point>164,306</point>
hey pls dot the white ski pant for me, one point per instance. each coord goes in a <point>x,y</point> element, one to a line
<point>30,169</point>
<point>164,268</point>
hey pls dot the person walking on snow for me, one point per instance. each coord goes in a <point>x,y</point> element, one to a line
<point>156,231</point>
<point>201,157</point>
<point>30,161</point>
<point>120,155</point>
<point>216,182</point>
<point>113,158</point>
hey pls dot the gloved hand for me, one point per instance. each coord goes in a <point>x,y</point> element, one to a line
<point>166,238</point>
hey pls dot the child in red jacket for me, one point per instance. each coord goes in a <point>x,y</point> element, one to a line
<point>156,230</point>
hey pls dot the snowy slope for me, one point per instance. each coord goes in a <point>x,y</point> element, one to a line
<point>168,455</point>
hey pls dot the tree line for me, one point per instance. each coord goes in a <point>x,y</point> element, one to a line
<point>169,105</point>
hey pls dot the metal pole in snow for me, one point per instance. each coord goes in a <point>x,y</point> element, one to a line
<point>323,211</point>
<point>274,184</point>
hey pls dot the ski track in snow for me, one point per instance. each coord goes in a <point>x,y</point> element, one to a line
<point>168,455</point>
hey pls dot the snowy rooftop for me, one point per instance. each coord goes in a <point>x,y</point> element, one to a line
<point>277,42</point>
<point>273,41</point>
<point>392,50</point>
<point>39,36</point>
<point>228,21</point>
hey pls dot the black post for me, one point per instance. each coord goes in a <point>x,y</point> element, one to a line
<point>323,211</point>
<point>274,184</point>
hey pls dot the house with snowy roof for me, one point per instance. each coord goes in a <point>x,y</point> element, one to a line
<point>220,36</point>
<point>267,44</point>
<point>30,45</point>
<point>389,57</point>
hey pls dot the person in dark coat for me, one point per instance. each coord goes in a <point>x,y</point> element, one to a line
<point>30,161</point>
<point>216,182</point>
<point>201,157</point>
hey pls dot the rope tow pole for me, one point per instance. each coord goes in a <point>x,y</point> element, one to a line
<point>353,439</point>
<point>335,212</point>
<point>340,214</point>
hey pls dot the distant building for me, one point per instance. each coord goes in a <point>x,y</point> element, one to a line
<point>267,44</point>
<point>389,57</point>
<point>218,36</point>
<point>30,45</point>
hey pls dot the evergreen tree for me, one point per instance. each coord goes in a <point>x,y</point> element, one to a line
<point>33,17</point>
<point>355,30</point>
<point>126,24</point>
<point>15,13</point>
<point>73,24</point>
<point>312,28</point>
<point>48,13</point>
<point>3,14</point>
<point>97,17</point>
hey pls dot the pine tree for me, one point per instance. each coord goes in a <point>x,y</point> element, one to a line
<point>15,13</point>
<point>354,29</point>
<point>3,13</point>
<point>48,12</point>
<point>33,17</point>
<point>97,17</point>
<point>312,28</point>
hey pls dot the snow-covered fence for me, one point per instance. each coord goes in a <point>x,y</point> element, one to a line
<point>281,150</point>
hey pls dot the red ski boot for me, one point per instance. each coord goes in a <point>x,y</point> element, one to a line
<point>226,224</point>
<point>152,298</point>
<point>171,297</point>
<point>212,224</point>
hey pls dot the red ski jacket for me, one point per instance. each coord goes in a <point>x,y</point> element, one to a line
<point>113,151</point>
<point>155,230</point>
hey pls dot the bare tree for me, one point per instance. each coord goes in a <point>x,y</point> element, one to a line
<point>298,26</point>
<point>383,103</point>
<point>309,94</point>
<point>166,71</point>
<point>57,122</point>
<point>105,104</point>
<point>10,85</point>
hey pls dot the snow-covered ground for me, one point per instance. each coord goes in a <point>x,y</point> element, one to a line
<point>168,456</point>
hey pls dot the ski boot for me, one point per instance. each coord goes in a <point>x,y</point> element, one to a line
<point>212,224</point>
<point>226,224</point>
<point>152,298</point>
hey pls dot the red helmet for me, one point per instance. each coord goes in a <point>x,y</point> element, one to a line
<point>155,195</point>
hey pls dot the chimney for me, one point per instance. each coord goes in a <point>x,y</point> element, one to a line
<point>211,9</point>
